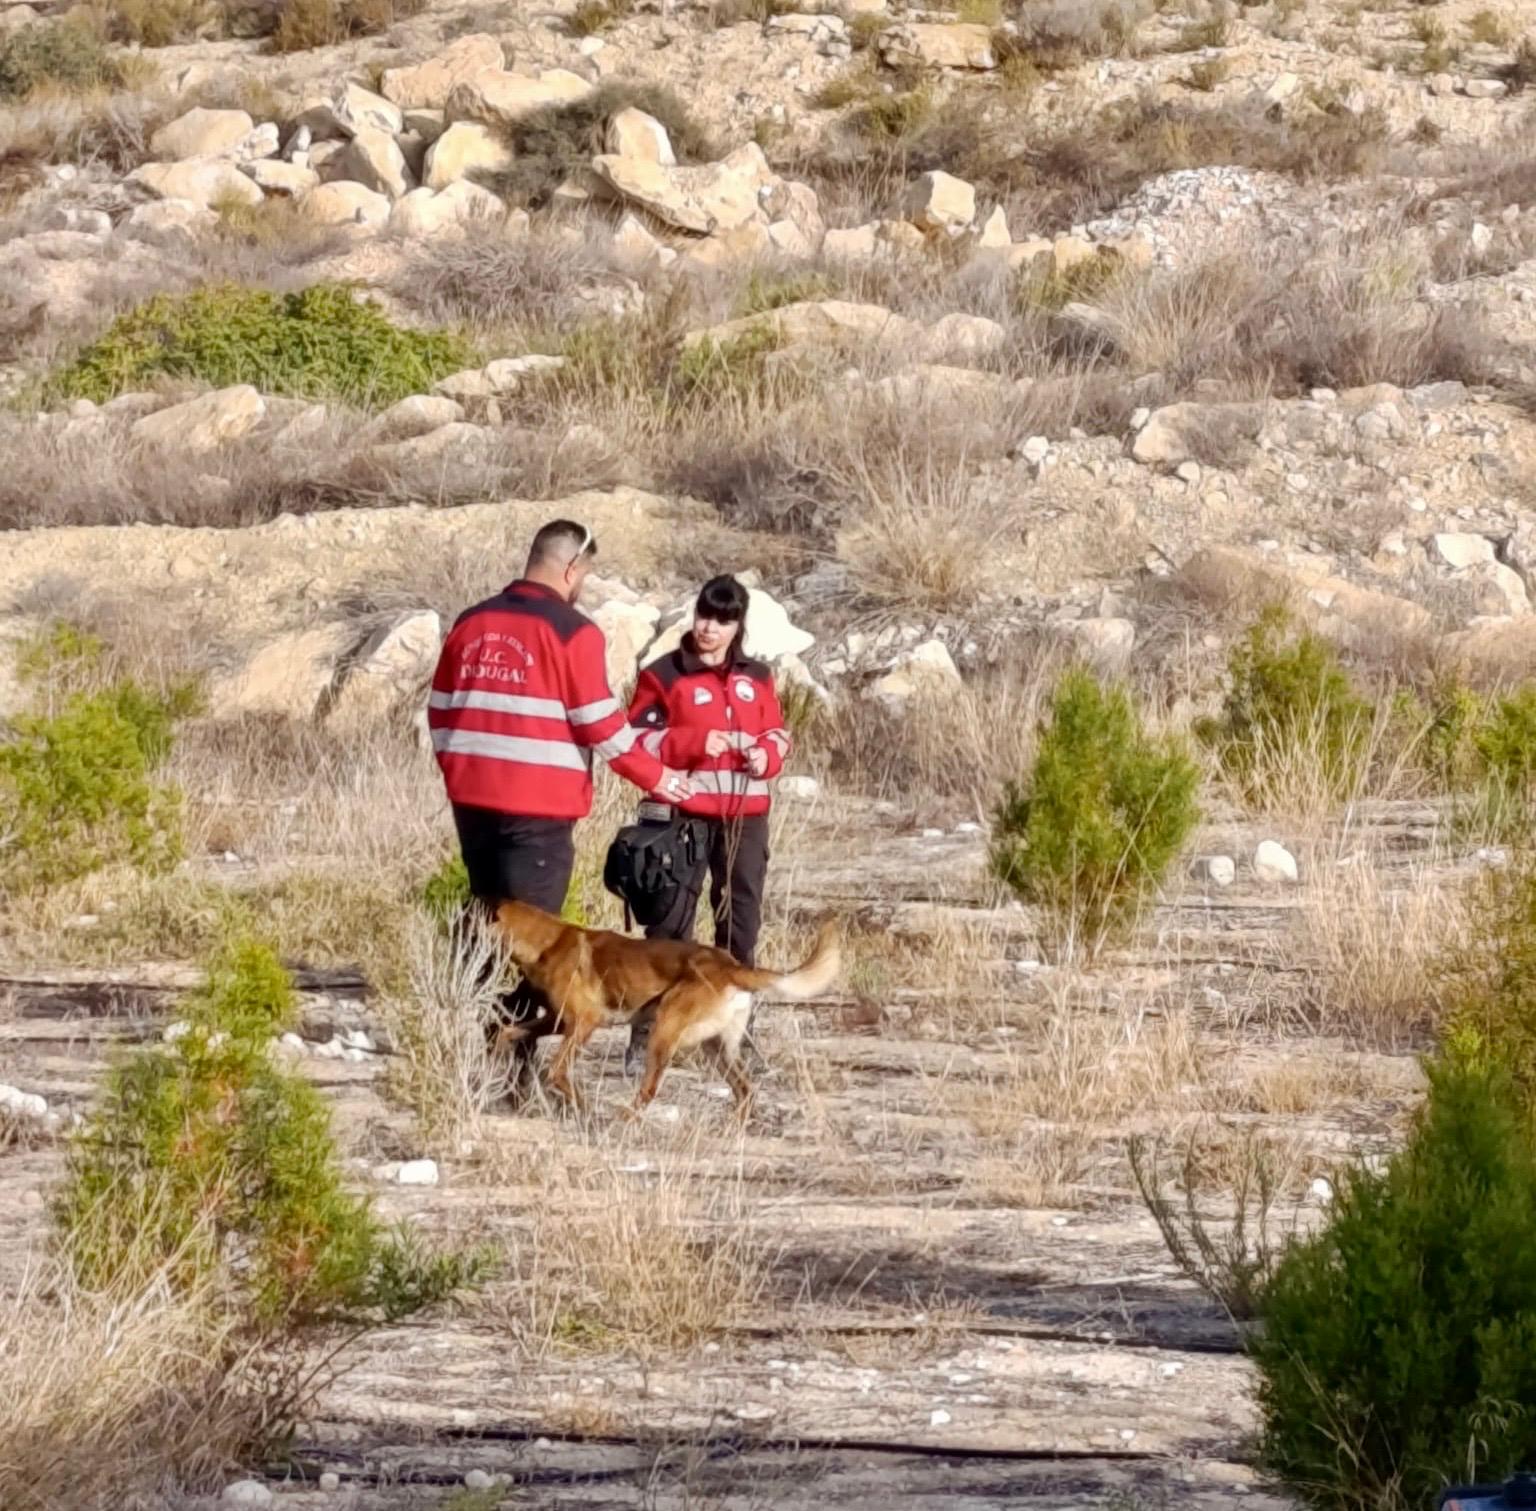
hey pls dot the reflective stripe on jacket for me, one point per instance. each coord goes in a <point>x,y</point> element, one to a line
<point>678,701</point>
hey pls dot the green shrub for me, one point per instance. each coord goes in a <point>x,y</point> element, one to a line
<point>1291,717</point>
<point>77,790</point>
<point>1487,982</point>
<point>1399,1342</point>
<point>63,55</point>
<point>445,893</point>
<point>208,1161</point>
<point>1105,811</point>
<point>1505,741</point>
<point>765,292</point>
<point>711,371</point>
<point>321,343</point>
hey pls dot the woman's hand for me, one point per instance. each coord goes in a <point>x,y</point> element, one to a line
<point>716,742</point>
<point>757,761</point>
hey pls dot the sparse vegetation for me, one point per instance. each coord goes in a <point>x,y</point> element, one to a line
<point>78,782</point>
<point>324,342</point>
<point>559,143</point>
<point>68,55</point>
<point>1105,811</point>
<point>1231,1264</point>
<point>1292,727</point>
<point>211,1164</point>
<point>305,24</point>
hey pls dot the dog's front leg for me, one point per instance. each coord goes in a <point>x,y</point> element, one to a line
<point>578,1029</point>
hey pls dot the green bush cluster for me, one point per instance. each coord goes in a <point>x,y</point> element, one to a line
<point>1398,1351</point>
<point>77,789</point>
<point>1104,812</point>
<point>1288,699</point>
<point>208,1163</point>
<point>64,55</point>
<point>323,342</point>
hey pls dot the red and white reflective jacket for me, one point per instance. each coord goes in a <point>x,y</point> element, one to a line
<point>678,701</point>
<point>521,702</point>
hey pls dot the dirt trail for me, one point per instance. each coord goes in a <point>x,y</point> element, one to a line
<point>934,1321</point>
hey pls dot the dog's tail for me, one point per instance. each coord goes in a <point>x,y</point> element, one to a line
<point>805,981</point>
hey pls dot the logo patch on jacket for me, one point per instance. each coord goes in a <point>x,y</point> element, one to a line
<point>703,695</point>
<point>745,690</point>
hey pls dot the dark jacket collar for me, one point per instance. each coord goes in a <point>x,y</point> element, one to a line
<point>523,588</point>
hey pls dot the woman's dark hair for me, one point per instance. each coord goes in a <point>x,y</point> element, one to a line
<point>724,600</point>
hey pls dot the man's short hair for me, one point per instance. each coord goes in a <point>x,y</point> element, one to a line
<point>563,541</point>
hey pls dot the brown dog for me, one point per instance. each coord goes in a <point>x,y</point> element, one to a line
<point>702,997</point>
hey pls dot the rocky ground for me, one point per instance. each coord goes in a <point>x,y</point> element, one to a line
<point>976,339</point>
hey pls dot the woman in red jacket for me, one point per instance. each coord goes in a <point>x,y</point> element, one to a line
<point>709,711</point>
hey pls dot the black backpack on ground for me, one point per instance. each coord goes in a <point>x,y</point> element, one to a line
<point>649,864</point>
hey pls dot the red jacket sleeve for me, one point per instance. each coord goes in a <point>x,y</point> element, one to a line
<point>597,717</point>
<point>775,738</point>
<point>650,714</point>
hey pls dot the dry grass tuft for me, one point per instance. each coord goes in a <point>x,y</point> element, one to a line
<point>442,1072</point>
<point>1373,947</point>
<point>636,1263</point>
<point>109,1396</point>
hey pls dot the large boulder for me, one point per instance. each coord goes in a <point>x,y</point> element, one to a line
<point>965,45</point>
<point>374,160</point>
<point>345,204</point>
<point>1181,433</point>
<point>496,98</point>
<point>465,147</point>
<point>717,197</point>
<point>418,415</point>
<point>959,338</point>
<point>171,224</point>
<point>348,109</point>
<point>425,213</point>
<point>940,202</point>
<point>201,133</point>
<point>390,669</point>
<point>428,85</point>
<point>926,671</point>
<point>286,179</point>
<point>633,133</point>
<point>290,676</point>
<point>453,459</point>
<point>203,181</point>
<point>203,424</point>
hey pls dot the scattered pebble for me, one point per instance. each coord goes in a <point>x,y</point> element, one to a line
<point>22,1104</point>
<point>478,1479</point>
<point>246,1493</point>
<point>417,1172</point>
<point>1273,863</point>
<point>940,1418</point>
<point>1218,870</point>
<point>330,1483</point>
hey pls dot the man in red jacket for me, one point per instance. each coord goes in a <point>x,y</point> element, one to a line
<point>520,704</point>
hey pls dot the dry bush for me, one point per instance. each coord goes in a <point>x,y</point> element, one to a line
<point>963,746</point>
<point>109,1396</point>
<point>1062,34</point>
<point>1084,166</point>
<point>633,1264</point>
<point>109,129</point>
<point>488,280</point>
<point>1234,1263</point>
<point>304,24</point>
<point>437,1026</point>
<point>1096,1067</point>
<point>1373,949</point>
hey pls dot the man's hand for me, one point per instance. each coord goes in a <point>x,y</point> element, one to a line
<point>716,743</point>
<point>674,787</point>
<point>757,761</point>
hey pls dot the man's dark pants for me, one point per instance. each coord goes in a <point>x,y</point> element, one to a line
<point>514,859</point>
<point>735,857</point>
